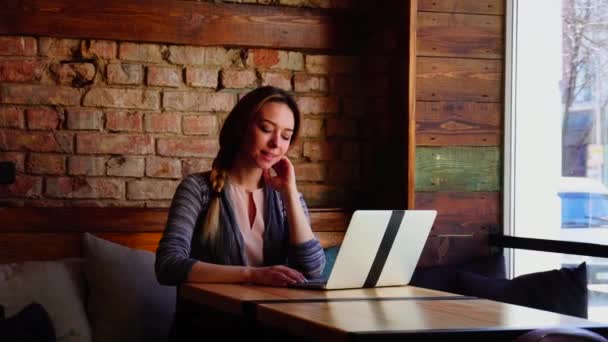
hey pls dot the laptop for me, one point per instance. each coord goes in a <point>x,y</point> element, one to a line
<point>380,248</point>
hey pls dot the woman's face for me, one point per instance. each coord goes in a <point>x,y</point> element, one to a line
<point>269,136</point>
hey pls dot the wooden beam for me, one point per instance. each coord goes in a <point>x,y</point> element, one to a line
<point>182,22</point>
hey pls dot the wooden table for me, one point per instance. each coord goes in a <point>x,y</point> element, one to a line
<point>387,313</point>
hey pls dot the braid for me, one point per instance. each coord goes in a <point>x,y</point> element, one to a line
<point>212,221</point>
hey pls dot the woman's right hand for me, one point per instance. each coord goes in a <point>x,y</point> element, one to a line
<point>278,275</point>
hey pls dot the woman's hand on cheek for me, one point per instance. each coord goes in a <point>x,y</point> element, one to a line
<point>285,178</point>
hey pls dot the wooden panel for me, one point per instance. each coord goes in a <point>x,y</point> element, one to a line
<point>463,6</point>
<point>460,35</point>
<point>462,212</point>
<point>52,233</point>
<point>411,98</point>
<point>458,79</point>
<point>125,219</point>
<point>449,250</point>
<point>181,22</point>
<point>83,219</point>
<point>458,124</point>
<point>50,246</point>
<point>458,168</point>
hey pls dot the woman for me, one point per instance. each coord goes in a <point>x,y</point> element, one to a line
<point>239,223</point>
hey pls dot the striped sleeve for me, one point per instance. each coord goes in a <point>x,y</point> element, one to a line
<point>308,256</point>
<point>173,262</point>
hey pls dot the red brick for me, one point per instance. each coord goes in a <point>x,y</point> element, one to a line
<point>351,151</point>
<point>122,98</point>
<point>341,128</point>
<point>21,70</point>
<point>158,167</point>
<point>317,195</point>
<point>65,140</point>
<point>151,189</point>
<point>126,166</point>
<point>310,172</point>
<point>318,105</point>
<point>24,186</point>
<point>305,83</point>
<point>17,158</point>
<point>320,3</point>
<point>158,204</point>
<point>296,150</point>
<point>351,86</point>
<point>13,140</point>
<point>140,52</point>
<point>198,102</point>
<point>238,79</point>
<point>105,203</point>
<point>39,94</point>
<point>47,164</point>
<point>324,64</point>
<point>73,74</point>
<point>164,76</point>
<point>84,119</point>
<point>96,143</point>
<point>59,48</point>
<point>11,117</point>
<point>344,172</point>
<point>218,56</point>
<point>277,79</point>
<point>312,128</point>
<point>187,147</point>
<point>320,150</point>
<point>273,59</point>
<point>43,118</point>
<point>263,59</point>
<point>18,46</point>
<point>124,121</point>
<point>86,166</point>
<point>162,123</point>
<point>200,124</point>
<point>124,73</point>
<point>186,55</point>
<point>202,77</point>
<point>45,203</point>
<point>354,107</point>
<point>80,187</point>
<point>98,48</point>
<point>194,165</point>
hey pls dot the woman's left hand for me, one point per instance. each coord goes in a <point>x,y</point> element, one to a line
<point>285,178</point>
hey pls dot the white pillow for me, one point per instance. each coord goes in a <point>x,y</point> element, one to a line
<point>57,285</point>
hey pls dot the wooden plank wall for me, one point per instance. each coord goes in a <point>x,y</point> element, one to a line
<point>458,114</point>
<point>52,233</point>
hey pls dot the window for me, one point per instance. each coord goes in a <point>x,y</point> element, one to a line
<point>556,128</point>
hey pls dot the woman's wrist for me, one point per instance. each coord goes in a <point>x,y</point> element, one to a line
<point>248,274</point>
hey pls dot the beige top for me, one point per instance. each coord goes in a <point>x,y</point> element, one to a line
<point>252,231</point>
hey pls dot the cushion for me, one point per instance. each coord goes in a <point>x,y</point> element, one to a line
<point>58,286</point>
<point>125,301</point>
<point>563,291</point>
<point>445,278</point>
<point>330,259</point>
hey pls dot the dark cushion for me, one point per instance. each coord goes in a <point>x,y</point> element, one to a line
<point>125,301</point>
<point>31,324</point>
<point>563,291</point>
<point>445,278</point>
<point>330,259</point>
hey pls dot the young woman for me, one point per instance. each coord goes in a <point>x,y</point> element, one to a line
<point>240,222</point>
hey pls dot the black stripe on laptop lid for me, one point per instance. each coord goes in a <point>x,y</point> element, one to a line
<point>385,247</point>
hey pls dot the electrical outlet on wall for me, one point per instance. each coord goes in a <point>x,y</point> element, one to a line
<point>7,172</point>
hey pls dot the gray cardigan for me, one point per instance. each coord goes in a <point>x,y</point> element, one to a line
<point>181,244</point>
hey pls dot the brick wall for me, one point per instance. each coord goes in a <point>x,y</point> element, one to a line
<point>110,123</point>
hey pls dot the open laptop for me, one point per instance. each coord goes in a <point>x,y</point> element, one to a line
<point>380,248</point>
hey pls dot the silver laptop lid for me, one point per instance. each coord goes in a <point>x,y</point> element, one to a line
<point>381,248</point>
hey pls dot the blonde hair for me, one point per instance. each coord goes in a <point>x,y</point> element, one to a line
<point>231,141</point>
